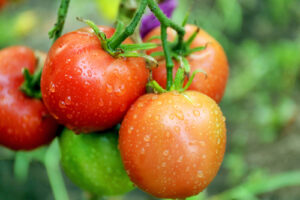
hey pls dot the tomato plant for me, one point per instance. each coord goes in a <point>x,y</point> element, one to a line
<point>84,87</point>
<point>93,162</point>
<point>25,123</point>
<point>172,144</point>
<point>212,60</point>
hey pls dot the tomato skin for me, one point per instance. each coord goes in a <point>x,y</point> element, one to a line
<point>93,162</point>
<point>84,87</point>
<point>212,60</point>
<point>172,144</point>
<point>25,123</point>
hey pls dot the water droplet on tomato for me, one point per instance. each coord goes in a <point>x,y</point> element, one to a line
<point>62,104</point>
<point>179,115</point>
<point>218,141</point>
<point>120,91</point>
<point>134,116</point>
<point>166,152</point>
<point>68,61</point>
<point>68,100</point>
<point>109,88</point>
<point>196,113</point>
<point>130,129</point>
<point>52,87</point>
<point>142,151</point>
<point>163,164</point>
<point>147,138</point>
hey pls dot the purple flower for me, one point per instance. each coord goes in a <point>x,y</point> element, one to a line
<point>150,22</point>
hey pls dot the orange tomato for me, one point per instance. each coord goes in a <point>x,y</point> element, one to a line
<point>172,144</point>
<point>212,60</point>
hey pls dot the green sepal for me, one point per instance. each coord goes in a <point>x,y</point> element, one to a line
<point>31,85</point>
<point>138,47</point>
<point>119,29</point>
<point>156,87</point>
<point>190,81</point>
<point>179,79</point>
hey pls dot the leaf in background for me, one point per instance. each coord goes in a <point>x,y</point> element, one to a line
<point>25,22</point>
<point>108,8</point>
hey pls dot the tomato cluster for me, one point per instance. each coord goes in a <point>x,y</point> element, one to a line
<point>170,145</point>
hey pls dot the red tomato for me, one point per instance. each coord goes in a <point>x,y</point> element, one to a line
<point>2,3</point>
<point>84,87</point>
<point>25,123</point>
<point>212,60</point>
<point>172,144</point>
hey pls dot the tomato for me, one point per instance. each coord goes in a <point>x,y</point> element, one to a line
<point>173,144</point>
<point>212,60</point>
<point>93,162</point>
<point>25,123</point>
<point>84,87</point>
<point>2,3</point>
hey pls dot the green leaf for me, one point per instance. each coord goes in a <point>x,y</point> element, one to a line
<point>108,8</point>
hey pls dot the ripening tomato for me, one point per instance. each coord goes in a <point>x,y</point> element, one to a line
<point>93,162</point>
<point>25,123</point>
<point>84,87</point>
<point>212,60</point>
<point>173,144</point>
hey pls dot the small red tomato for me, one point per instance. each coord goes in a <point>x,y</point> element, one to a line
<point>212,60</point>
<point>84,87</point>
<point>173,144</point>
<point>25,123</point>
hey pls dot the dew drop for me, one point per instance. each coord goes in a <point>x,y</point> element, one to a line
<point>62,104</point>
<point>200,174</point>
<point>109,88</point>
<point>68,100</point>
<point>196,113</point>
<point>163,164</point>
<point>224,118</point>
<point>179,115</point>
<point>165,153</point>
<point>140,105</point>
<point>52,87</point>
<point>218,141</point>
<point>147,138</point>
<point>134,116</point>
<point>130,129</point>
<point>142,151</point>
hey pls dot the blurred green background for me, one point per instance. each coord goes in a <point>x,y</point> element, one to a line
<point>261,104</point>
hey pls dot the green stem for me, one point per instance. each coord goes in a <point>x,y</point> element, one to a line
<point>167,22</point>
<point>169,61</point>
<point>129,30</point>
<point>54,172</point>
<point>61,17</point>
